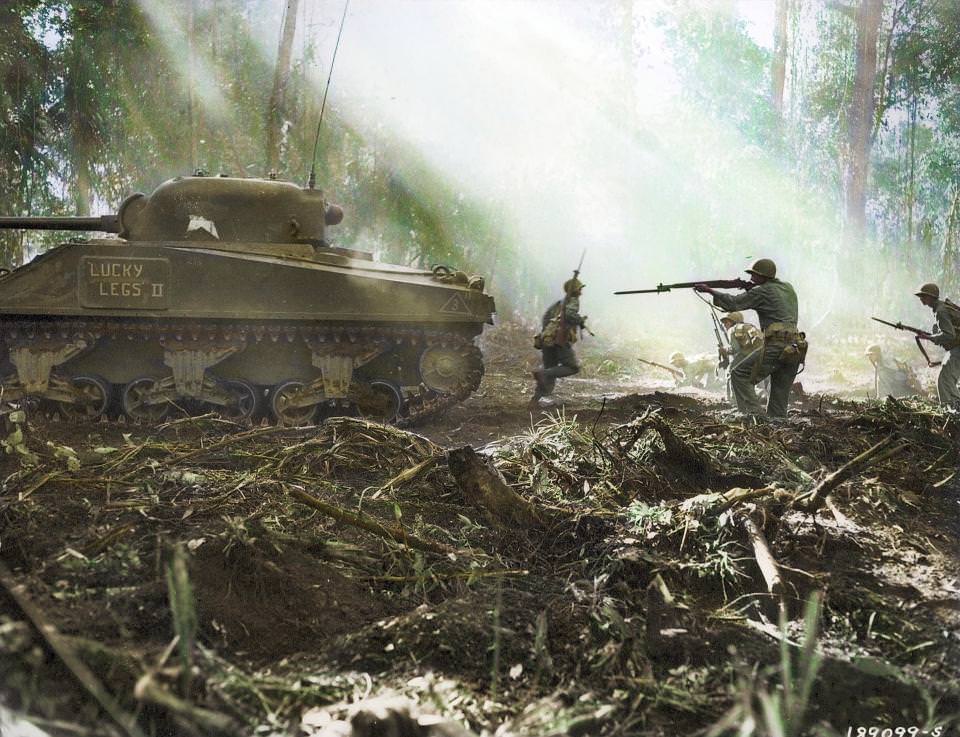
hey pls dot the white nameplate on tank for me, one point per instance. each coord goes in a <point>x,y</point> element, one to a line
<point>106,282</point>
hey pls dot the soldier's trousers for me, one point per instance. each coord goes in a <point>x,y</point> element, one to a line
<point>558,361</point>
<point>746,374</point>
<point>948,378</point>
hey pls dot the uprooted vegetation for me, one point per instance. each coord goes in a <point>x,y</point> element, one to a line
<point>656,570</point>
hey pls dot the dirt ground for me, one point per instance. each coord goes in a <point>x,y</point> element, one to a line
<point>594,573</point>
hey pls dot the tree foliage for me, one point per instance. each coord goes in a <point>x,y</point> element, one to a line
<point>103,99</point>
<point>914,148</point>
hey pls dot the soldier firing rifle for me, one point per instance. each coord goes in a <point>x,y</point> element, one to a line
<point>714,284</point>
<point>784,347</point>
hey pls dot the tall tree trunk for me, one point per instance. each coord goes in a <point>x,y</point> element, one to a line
<point>951,243</point>
<point>911,165</point>
<point>281,76</point>
<point>778,68</point>
<point>82,109</point>
<point>192,112</point>
<point>860,119</point>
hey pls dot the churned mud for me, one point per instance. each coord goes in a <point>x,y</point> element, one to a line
<point>629,561</point>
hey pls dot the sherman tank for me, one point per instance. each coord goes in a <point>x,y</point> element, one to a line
<point>222,293</point>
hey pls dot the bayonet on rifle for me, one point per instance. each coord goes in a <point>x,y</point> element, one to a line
<point>676,372</point>
<point>712,283</point>
<point>918,335</point>
<point>576,271</point>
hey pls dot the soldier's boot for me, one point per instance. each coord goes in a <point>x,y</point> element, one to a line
<point>540,391</point>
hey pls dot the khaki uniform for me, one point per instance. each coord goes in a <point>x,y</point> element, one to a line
<point>945,335</point>
<point>894,379</point>
<point>699,372</point>
<point>775,303</point>
<point>745,340</point>
<point>557,341</point>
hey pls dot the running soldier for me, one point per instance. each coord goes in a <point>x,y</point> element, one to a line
<point>561,325</point>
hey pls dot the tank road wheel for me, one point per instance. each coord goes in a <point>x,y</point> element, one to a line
<point>136,404</point>
<point>95,398</point>
<point>379,401</point>
<point>247,401</point>
<point>283,408</point>
<point>445,369</point>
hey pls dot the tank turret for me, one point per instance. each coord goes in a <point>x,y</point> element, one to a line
<point>201,208</point>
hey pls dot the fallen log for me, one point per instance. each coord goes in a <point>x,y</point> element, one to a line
<point>408,474</point>
<point>485,488</point>
<point>367,523</point>
<point>812,500</point>
<point>765,560</point>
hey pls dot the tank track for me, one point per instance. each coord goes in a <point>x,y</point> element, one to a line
<point>419,402</point>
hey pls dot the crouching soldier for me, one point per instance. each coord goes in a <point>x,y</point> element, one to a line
<point>699,372</point>
<point>784,347</point>
<point>891,378</point>
<point>561,325</point>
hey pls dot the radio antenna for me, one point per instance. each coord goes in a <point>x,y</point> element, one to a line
<point>323,105</point>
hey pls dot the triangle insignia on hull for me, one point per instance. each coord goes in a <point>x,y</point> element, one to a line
<point>456,306</point>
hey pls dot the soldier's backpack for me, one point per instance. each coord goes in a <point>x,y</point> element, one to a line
<point>748,336</point>
<point>556,332</point>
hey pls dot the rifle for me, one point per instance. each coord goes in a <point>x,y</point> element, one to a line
<point>712,283</point>
<point>919,335</point>
<point>561,338</point>
<point>678,374</point>
<point>723,343</point>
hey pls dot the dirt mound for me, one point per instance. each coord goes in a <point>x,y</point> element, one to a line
<point>265,599</point>
<point>653,568</point>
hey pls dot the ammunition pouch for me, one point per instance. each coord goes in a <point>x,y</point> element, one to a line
<point>795,352</point>
<point>780,332</point>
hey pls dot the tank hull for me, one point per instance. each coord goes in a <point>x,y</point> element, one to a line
<point>108,327</point>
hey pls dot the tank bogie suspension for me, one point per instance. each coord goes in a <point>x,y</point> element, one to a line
<point>291,374</point>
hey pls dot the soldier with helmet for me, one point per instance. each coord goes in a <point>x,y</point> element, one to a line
<point>946,334</point>
<point>784,346</point>
<point>745,339</point>
<point>891,378</point>
<point>697,372</point>
<point>561,325</point>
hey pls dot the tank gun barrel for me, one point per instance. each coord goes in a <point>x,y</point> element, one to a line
<point>99,223</point>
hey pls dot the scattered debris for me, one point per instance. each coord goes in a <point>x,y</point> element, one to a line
<point>643,571</point>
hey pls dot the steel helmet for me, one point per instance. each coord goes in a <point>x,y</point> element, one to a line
<point>678,359</point>
<point>734,317</point>
<point>763,267</point>
<point>873,350</point>
<point>929,290</point>
<point>573,286</point>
